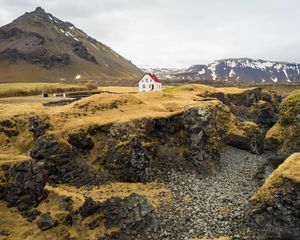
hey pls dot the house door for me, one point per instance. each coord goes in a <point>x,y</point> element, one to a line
<point>152,87</point>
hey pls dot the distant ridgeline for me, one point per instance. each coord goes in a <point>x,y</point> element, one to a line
<point>239,70</point>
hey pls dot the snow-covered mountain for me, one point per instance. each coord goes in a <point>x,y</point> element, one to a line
<point>242,70</point>
<point>163,73</point>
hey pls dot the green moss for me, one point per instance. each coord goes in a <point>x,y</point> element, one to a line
<point>290,109</point>
<point>285,134</point>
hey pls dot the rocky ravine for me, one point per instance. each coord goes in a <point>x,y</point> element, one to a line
<point>177,140</point>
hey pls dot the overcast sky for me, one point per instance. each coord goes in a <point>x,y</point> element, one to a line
<point>177,33</point>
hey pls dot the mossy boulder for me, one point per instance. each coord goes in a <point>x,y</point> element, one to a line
<point>278,202</point>
<point>247,136</point>
<point>284,136</point>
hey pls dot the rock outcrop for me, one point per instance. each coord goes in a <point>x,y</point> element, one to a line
<point>131,215</point>
<point>61,162</point>
<point>26,187</point>
<point>275,209</point>
<point>190,139</point>
<point>284,136</point>
<point>38,126</point>
<point>255,105</point>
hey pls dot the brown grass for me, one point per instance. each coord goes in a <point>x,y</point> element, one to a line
<point>32,89</point>
<point>155,192</point>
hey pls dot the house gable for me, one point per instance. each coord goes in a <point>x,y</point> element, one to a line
<point>149,82</point>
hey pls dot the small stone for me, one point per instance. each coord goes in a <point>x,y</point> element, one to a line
<point>45,222</point>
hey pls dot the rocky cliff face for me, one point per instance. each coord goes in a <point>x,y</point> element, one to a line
<point>56,50</point>
<point>240,70</point>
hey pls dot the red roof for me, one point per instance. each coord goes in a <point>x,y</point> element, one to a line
<point>153,76</point>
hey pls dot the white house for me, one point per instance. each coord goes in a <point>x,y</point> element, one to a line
<point>149,83</point>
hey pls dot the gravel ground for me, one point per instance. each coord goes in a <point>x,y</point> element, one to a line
<point>214,205</point>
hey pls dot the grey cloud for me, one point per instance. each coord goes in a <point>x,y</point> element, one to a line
<point>180,33</point>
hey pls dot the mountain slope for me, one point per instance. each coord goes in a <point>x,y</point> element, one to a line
<point>39,47</point>
<point>242,70</point>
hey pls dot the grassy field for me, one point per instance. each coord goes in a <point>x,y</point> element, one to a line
<point>31,89</point>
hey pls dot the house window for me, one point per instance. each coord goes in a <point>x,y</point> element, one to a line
<point>146,80</point>
<point>144,86</point>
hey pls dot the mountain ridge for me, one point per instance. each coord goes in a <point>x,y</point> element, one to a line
<point>245,70</point>
<point>37,46</point>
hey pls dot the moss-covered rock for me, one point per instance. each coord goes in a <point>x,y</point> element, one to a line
<point>277,202</point>
<point>247,136</point>
<point>284,136</point>
<point>254,104</point>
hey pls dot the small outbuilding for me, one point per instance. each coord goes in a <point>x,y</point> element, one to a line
<point>149,83</point>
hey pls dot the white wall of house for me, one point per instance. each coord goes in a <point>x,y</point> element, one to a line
<point>147,84</point>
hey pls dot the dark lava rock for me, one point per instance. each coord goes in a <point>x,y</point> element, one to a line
<point>62,163</point>
<point>133,212</point>
<point>130,162</point>
<point>38,55</point>
<point>45,222</point>
<point>38,126</point>
<point>265,113</point>
<point>88,208</point>
<point>138,165</point>
<point>131,215</point>
<point>50,148</point>
<point>81,51</point>
<point>81,141</point>
<point>26,187</point>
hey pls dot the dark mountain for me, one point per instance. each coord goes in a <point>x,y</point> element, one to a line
<point>39,47</point>
<point>242,70</point>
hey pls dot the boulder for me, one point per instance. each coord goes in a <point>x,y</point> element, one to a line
<point>88,208</point>
<point>275,208</point>
<point>131,213</point>
<point>45,222</point>
<point>27,185</point>
<point>265,113</point>
<point>247,136</point>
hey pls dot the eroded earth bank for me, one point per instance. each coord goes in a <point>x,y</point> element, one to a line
<point>191,162</point>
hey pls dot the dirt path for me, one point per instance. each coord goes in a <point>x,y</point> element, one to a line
<point>212,206</point>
